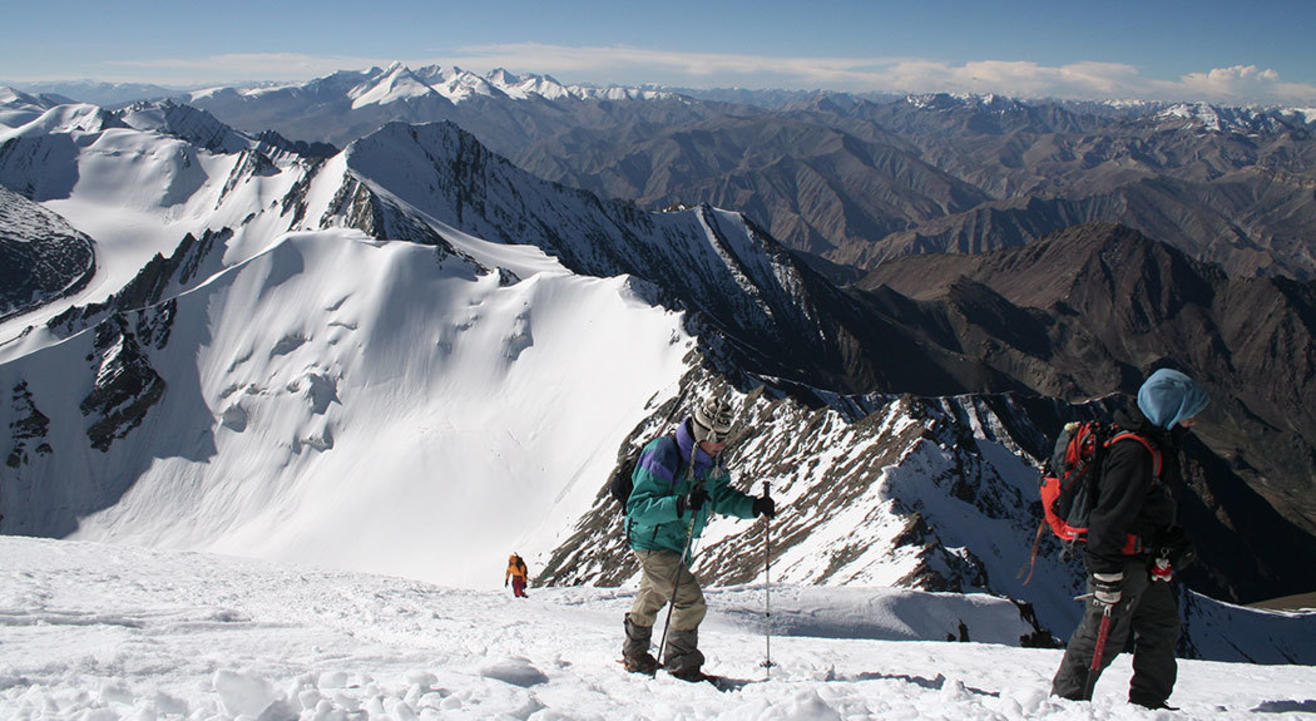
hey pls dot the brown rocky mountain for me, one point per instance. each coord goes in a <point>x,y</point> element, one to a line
<point>813,186</point>
<point>1250,221</point>
<point>1089,310</point>
<point>858,182</point>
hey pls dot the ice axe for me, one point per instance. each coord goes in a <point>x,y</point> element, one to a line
<point>1103,632</point>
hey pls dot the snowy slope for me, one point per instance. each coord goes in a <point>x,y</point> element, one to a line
<point>19,108</point>
<point>89,631</point>
<point>322,363</point>
<point>332,398</point>
<point>140,180</point>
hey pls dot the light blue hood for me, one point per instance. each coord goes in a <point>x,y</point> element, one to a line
<point>1169,396</point>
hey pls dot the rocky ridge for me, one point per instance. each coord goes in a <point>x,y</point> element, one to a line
<point>42,257</point>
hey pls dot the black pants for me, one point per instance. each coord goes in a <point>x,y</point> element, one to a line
<point>1149,611</point>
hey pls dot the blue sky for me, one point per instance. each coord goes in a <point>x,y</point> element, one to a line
<point>1209,49</point>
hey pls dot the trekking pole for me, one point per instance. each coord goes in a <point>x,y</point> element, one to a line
<point>685,554</point>
<point>767,588</point>
<point>1103,632</point>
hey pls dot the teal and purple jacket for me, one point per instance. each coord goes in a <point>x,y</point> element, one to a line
<point>661,476</point>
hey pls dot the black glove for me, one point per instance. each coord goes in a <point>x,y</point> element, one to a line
<point>1177,549</point>
<point>1107,587</point>
<point>694,500</point>
<point>763,506</point>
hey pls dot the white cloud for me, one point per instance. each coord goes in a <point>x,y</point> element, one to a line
<point>626,65</point>
<point>1234,82</point>
<point>658,66</point>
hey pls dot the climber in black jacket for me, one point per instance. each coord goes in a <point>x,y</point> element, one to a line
<point>1133,543</point>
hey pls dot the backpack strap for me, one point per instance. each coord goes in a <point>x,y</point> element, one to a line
<point>1153,450</point>
<point>680,462</point>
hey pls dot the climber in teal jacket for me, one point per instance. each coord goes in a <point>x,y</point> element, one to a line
<point>678,481</point>
<point>656,515</point>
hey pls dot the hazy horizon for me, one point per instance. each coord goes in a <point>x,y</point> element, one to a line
<point>1210,50</point>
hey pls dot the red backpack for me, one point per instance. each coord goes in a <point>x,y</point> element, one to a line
<point>1069,483</point>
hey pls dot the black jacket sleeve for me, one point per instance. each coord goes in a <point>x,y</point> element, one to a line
<point>1122,488</point>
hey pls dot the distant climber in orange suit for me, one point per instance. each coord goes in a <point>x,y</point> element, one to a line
<point>516,571</point>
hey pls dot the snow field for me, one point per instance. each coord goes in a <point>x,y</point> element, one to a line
<point>388,398</point>
<point>107,632</point>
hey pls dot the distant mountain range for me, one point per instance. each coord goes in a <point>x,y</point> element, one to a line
<point>852,179</point>
<point>855,180</point>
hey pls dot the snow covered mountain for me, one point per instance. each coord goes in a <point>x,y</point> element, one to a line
<point>349,104</point>
<point>1217,119</point>
<point>105,94</point>
<point>399,84</point>
<point>184,121</point>
<point>179,369</point>
<point>160,390</point>
<point>411,358</point>
<point>18,108</point>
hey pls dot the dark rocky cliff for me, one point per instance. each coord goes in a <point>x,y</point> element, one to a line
<point>42,257</point>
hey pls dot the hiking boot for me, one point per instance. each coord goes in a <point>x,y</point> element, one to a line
<point>693,675</point>
<point>1153,705</point>
<point>682,658</point>
<point>635,650</point>
<point>645,664</point>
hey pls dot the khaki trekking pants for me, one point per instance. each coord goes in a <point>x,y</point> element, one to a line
<point>659,569</point>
